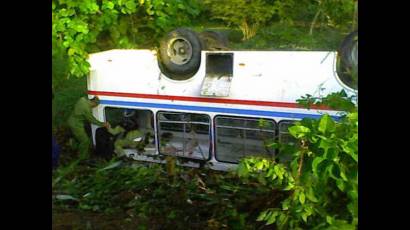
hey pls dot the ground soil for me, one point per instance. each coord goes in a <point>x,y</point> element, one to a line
<point>75,219</point>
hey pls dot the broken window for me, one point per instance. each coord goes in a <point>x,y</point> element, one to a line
<point>134,119</point>
<point>239,137</point>
<point>184,134</point>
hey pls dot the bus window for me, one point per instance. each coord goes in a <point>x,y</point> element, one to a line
<point>284,135</point>
<point>286,138</point>
<point>184,134</point>
<point>238,137</point>
<point>142,120</point>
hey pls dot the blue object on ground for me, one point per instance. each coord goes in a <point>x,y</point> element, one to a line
<point>55,153</point>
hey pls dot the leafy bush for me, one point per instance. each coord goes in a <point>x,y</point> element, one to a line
<point>247,15</point>
<point>333,13</point>
<point>194,199</point>
<point>322,176</point>
<point>339,13</point>
<point>79,27</point>
<point>284,36</point>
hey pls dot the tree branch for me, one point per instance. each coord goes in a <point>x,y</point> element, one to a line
<point>304,149</point>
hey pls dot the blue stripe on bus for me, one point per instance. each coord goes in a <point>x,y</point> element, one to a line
<point>214,109</point>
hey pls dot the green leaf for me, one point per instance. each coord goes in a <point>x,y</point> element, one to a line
<point>262,215</point>
<point>325,144</point>
<point>94,7</point>
<point>66,44</point>
<point>272,217</point>
<point>270,172</point>
<point>343,175</point>
<point>340,184</point>
<point>311,196</point>
<point>108,5</point>
<point>353,117</point>
<point>315,164</point>
<point>273,145</point>
<point>326,124</point>
<point>329,220</point>
<point>81,28</point>
<point>304,217</point>
<point>278,171</point>
<point>353,208</point>
<point>302,197</point>
<point>285,205</point>
<point>282,219</point>
<point>332,154</point>
<point>131,5</point>
<point>298,131</point>
<point>289,187</point>
<point>111,166</point>
<point>259,165</point>
<point>65,197</point>
<point>242,170</point>
<point>350,147</point>
<point>341,225</point>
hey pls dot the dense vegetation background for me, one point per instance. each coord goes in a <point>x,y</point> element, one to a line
<point>316,190</point>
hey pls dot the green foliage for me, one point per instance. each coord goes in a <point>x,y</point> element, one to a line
<point>194,199</point>
<point>322,176</point>
<point>78,27</point>
<point>164,15</point>
<point>67,92</point>
<point>247,15</point>
<point>337,101</point>
<point>338,13</point>
<point>81,27</point>
<point>285,36</point>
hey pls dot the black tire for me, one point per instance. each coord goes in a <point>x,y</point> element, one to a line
<point>347,60</point>
<point>180,54</point>
<point>213,40</point>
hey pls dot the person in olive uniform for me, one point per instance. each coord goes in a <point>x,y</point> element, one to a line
<point>128,135</point>
<point>129,139</point>
<point>81,114</point>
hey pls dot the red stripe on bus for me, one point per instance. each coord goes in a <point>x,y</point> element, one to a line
<point>204,99</point>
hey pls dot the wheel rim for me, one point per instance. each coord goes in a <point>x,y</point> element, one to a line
<point>346,66</point>
<point>354,54</point>
<point>179,51</point>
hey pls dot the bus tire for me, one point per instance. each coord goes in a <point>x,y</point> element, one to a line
<point>180,54</point>
<point>347,60</point>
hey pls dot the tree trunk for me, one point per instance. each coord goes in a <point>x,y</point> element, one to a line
<point>312,25</point>
<point>248,31</point>
<point>314,21</point>
<point>355,17</point>
<point>244,28</point>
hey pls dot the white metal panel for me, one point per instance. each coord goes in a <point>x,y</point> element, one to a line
<point>217,86</point>
<point>124,71</point>
<point>258,75</point>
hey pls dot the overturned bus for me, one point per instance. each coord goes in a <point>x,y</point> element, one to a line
<point>205,106</point>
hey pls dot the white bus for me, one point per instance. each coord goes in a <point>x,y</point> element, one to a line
<point>209,114</point>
